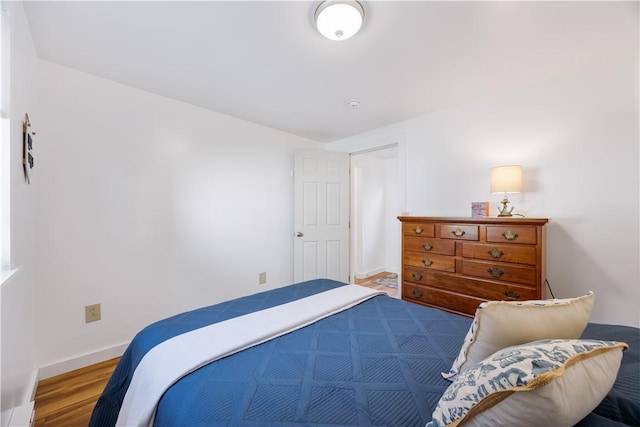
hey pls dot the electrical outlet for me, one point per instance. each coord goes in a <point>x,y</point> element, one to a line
<point>91,313</point>
<point>262,278</point>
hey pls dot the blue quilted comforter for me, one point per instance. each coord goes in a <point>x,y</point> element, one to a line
<point>376,364</point>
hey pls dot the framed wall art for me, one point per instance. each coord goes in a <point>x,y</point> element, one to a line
<point>27,148</point>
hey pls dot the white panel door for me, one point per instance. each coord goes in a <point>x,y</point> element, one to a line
<point>321,216</point>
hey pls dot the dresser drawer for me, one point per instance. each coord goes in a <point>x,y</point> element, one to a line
<point>414,274</point>
<point>418,229</point>
<point>483,289</point>
<point>431,261</point>
<point>515,234</point>
<point>459,231</point>
<point>442,299</point>
<point>506,253</point>
<point>500,271</point>
<point>430,245</point>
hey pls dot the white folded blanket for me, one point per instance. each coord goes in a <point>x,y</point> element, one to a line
<point>170,360</point>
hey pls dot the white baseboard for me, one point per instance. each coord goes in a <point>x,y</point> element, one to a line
<point>23,415</point>
<point>33,386</point>
<point>81,361</point>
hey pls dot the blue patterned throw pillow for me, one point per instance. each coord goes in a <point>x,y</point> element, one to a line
<point>546,382</point>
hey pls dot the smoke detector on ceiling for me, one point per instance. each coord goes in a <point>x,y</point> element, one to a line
<point>353,104</point>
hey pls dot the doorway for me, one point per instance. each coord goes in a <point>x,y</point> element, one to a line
<point>377,199</point>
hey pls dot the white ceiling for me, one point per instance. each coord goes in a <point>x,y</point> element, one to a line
<point>265,62</point>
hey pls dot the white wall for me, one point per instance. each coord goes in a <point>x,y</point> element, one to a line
<point>19,359</point>
<point>577,139</point>
<point>150,207</point>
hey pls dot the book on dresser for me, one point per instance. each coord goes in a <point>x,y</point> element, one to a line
<point>457,263</point>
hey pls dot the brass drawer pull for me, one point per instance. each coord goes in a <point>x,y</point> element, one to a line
<point>416,276</point>
<point>510,235</point>
<point>511,295</point>
<point>495,253</point>
<point>495,272</point>
<point>427,247</point>
<point>417,293</point>
<point>458,232</point>
<point>427,262</point>
<point>418,230</point>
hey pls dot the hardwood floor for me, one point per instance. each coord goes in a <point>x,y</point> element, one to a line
<point>368,282</point>
<point>67,400</point>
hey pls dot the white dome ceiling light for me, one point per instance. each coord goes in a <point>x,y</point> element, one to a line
<point>339,20</point>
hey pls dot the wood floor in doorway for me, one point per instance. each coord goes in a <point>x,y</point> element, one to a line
<point>369,283</point>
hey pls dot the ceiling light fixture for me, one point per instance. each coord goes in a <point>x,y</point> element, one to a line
<point>339,20</point>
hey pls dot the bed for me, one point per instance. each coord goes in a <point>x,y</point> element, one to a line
<point>378,363</point>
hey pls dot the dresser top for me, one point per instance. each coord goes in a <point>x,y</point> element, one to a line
<point>478,220</point>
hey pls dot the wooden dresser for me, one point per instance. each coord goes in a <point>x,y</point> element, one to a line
<point>457,263</point>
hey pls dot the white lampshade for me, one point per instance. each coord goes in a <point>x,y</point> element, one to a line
<point>339,20</point>
<point>506,179</point>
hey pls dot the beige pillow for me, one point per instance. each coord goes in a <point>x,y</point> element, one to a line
<point>500,324</point>
<point>543,383</point>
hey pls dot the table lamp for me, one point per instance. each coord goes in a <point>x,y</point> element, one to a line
<point>506,179</point>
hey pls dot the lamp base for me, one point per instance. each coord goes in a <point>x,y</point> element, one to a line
<point>505,211</point>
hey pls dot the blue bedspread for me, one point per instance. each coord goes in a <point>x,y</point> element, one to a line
<point>622,404</point>
<point>378,363</point>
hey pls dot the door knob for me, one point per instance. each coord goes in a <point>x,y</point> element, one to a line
<point>299,234</point>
